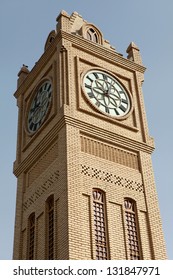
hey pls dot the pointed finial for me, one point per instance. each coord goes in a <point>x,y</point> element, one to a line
<point>134,53</point>
<point>22,74</point>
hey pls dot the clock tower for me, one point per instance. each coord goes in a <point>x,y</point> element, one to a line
<point>85,184</point>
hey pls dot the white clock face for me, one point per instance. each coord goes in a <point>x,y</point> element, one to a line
<point>39,107</point>
<point>106,93</point>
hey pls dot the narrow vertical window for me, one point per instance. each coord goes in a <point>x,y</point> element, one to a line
<point>101,242</point>
<point>132,229</point>
<point>31,237</point>
<point>50,230</point>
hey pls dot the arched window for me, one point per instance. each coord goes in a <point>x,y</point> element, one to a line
<point>50,227</point>
<point>100,225</point>
<point>31,237</point>
<point>92,35</point>
<point>132,229</point>
<point>50,39</point>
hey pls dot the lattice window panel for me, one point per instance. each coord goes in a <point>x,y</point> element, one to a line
<point>31,237</point>
<point>100,225</point>
<point>50,207</point>
<point>132,230</point>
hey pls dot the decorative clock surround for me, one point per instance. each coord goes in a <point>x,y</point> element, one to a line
<point>39,106</point>
<point>106,94</point>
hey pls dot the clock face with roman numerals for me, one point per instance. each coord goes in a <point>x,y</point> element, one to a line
<point>39,106</point>
<point>106,93</point>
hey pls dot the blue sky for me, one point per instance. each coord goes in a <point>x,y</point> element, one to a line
<point>24,27</point>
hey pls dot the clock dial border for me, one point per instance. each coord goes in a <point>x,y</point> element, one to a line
<point>110,98</point>
<point>39,106</point>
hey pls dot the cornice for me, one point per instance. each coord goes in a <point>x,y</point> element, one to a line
<point>85,128</point>
<point>102,52</point>
<point>111,137</point>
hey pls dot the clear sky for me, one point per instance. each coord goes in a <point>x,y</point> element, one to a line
<point>24,27</point>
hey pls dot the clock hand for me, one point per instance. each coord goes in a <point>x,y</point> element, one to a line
<point>116,101</point>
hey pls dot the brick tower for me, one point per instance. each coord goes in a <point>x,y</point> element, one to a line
<point>85,184</point>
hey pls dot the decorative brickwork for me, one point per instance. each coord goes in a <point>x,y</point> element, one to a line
<point>40,190</point>
<point>44,161</point>
<point>111,178</point>
<point>107,152</point>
